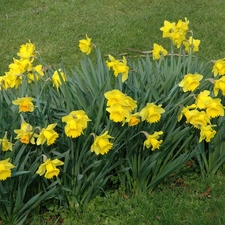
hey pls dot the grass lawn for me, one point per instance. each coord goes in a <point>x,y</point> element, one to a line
<point>56,26</point>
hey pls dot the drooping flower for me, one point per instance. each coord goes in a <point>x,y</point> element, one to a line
<point>114,97</point>
<point>57,78</point>
<point>190,82</point>
<point>120,105</point>
<point>76,122</point>
<point>118,67</point>
<point>191,45</point>
<point>203,99</point>
<point>118,113</point>
<point>151,113</point>
<point>133,119</point>
<point>85,45</point>
<point>207,133</point>
<point>219,67</point>
<point>219,85</point>
<point>185,112</point>
<point>199,118</point>
<point>101,144</point>
<point>5,144</point>
<point>49,168</point>
<point>158,51</point>
<point>25,133</point>
<point>25,104</point>
<point>152,140</point>
<point>5,169</point>
<point>27,51</point>
<point>47,134</point>
<point>215,108</point>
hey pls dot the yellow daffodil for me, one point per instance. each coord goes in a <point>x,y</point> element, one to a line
<point>176,32</point>
<point>57,78</point>
<point>219,67</point>
<point>25,133</point>
<point>35,73</point>
<point>215,108</point>
<point>219,85</point>
<point>180,32</point>
<point>5,144</point>
<point>101,144</point>
<point>114,97</point>
<point>11,81</point>
<point>152,140</point>
<point>168,29</point>
<point>191,45</point>
<point>118,113</point>
<point>119,67</point>
<point>85,45</point>
<point>187,112</point>
<point>158,51</point>
<point>199,118</point>
<point>151,113</point>
<point>49,168</point>
<point>121,105</point>
<point>76,122</point>
<point>133,119</point>
<point>25,104</point>
<point>207,133</point>
<point>47,134</point>
<point>190,82</point>
<point>27,51</point>
<point>5,169</point>
<point>203,99</point>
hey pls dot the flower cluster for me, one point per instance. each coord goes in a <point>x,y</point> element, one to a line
<point>201,112</point>
<point>13,78</point>
<point>176,32</point>
<point>120,107</point>
<point>219,84</point>
<point>24,67</point>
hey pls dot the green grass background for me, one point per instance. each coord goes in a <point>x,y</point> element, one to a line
<point>56,26</point>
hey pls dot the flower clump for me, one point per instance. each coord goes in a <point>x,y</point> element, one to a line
<point>57,126</point>
<point>201,112</point>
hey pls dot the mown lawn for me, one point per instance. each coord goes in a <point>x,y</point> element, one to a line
<point>56,26</point>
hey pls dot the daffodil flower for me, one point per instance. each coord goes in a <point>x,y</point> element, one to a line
<point>25,104</point>
<point>47,135</point>
<point>76,122</point>
<point>101,144</point>
<point>151,113</point>
<point>85,45</point>
<point>5,169</point>
<point>49,168</point>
